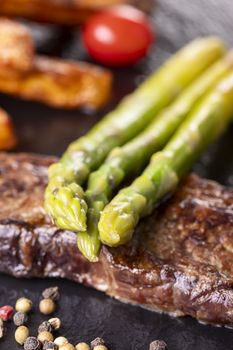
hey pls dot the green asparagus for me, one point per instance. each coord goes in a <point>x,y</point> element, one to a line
<point>64,197</point>
<point>204,125</point>
<point>134,155</point>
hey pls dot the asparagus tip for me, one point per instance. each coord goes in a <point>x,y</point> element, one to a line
<point>88,247</point>
<point>116,225</point>
<point>67,207</point>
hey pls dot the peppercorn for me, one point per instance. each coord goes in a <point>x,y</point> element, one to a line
<point>51,293</point>
<point>20,318</point>
<point>55,323</point>
<point>60,341</point>
<point>1,328</point>
<point>158,345</point>
<point>67,346</point>
<point>47,306</point>
<point>49,345</point>
<point>96,342</point>
<point>100,347</point>
<point>6,312</point>
<point>21,334</point>
<point>82,346</point>
<point>45,336</point>
<point>45,327</point>
<point>32,343</point>
<point>23,305</point>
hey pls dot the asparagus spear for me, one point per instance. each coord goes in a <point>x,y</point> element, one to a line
<point>64,198</point>
<point>122,162</point>
<point>204,125</point>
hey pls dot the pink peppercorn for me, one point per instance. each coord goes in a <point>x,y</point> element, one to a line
<point>6,312</point>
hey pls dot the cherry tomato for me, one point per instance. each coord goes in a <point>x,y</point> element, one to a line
<point>118,36</point>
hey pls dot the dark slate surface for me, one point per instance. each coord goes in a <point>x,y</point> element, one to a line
<point>85,312</point>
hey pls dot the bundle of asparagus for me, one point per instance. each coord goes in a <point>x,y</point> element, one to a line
<point>202,126</point>
<point>133,156</point>
<point>64,198</point>
<point>72,208</point>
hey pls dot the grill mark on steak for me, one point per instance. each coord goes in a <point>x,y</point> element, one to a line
<point>180,260</point>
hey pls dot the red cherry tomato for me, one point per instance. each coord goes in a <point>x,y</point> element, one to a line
<point>119,36</point>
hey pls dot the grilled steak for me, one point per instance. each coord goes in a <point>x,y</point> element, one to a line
<point>180,260</point>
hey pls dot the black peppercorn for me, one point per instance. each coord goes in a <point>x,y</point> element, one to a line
<point>51,293</point>
<point>96,342</point>
<point>32,343</point>
<point>45,327</point>
<point>158,345</point>
<point>50,345</point>
<point>20,318</point>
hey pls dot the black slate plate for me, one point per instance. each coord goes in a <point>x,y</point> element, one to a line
<point>87,313</point>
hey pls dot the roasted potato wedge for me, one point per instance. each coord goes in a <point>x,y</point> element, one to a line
<point>62,84</point>
<point>7,134</point>
<point>56,82</point>
<point>16,47</point>
<point>65,12</point>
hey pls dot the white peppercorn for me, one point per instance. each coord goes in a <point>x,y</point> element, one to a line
<point>82,346</point>
<point>55,323</point>
<point>47,306</point>
<point>100,347</point>
<point>60,341</point>
<point>1,328</point>
<point>45,336</point>
<point>67,346</point>
<point>21,334</point>
<point>23,305</point>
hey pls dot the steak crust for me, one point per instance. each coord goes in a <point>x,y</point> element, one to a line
<point>180,260</point>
